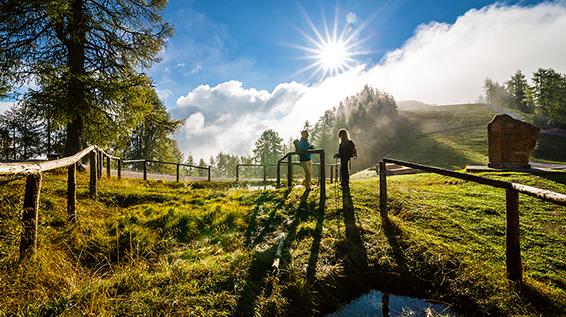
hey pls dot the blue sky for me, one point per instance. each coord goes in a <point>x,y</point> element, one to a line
<point>231,69</point>
<point>252,41</point>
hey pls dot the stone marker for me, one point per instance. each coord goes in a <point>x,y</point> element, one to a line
<point>511,142</point>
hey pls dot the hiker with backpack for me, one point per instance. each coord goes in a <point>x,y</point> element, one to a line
<point>346,150</point>
<point>302,147</point>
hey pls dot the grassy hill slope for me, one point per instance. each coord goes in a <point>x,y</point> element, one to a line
<point>456,136</point>
<point>154,248</point>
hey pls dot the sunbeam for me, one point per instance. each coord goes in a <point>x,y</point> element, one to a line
<point>331,50</point>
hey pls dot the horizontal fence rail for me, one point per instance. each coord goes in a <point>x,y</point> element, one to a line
<point>289,163</point>
<point>263,166</point>
<point>33,171</point>
<point>512,190</point>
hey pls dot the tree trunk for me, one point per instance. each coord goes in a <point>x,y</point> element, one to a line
<point>73,143</point>
<point>75,44</point>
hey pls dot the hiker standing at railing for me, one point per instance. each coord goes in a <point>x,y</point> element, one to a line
<point>306,158</point>
<point>346,150</point>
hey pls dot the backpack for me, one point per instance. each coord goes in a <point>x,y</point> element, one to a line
<point>353,151</point>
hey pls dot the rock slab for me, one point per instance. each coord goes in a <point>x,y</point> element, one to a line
<point>510,142</point>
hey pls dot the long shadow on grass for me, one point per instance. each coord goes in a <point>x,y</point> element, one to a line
<point>257,281</point>
<point>317,237</point>
<point>391,232</point>
<point>558,177</point>
<point>352,249</point>
<point>254,286</point>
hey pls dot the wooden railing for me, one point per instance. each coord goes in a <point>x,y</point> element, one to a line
<point>289,163</point>
<point>512,190</point>
<point>333,169</point>
<point>264,166</point>
<point>178,167</point>
<point>34,170</point>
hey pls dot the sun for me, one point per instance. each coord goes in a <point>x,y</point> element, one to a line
<point>331,51</point>
<point>333,55</point>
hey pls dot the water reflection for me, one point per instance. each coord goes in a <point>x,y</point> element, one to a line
<point>376,303</point>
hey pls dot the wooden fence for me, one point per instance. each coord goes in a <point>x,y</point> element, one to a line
<point>332,167</point>
<point>178,167</point>
<point>33,172</point>
<point>512,190</point>
<point>289,163</point>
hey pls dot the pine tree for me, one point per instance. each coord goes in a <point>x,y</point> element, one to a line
<point>85,57</point>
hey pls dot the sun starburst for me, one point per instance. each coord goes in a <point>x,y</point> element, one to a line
<point>331,51</point>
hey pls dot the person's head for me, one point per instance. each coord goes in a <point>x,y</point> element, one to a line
<point>305,134</point>
<point>343,134</point>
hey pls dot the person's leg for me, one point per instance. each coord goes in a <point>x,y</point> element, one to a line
<point>305,170</point>
<point>308,174</point>
<point>344,174</point>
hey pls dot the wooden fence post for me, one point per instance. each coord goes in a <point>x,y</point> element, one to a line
<point>108,167</point>
<point>72,192</point>
<point>289,171</point>
<point>512,238</point>
<point>237,172</point>
<point>178,166</point>
<point>278,173</point>
<point>100,161</point>
<point>382,190</point>
<point>119,168</point>
<point>145,170</point>
<point>28,242</point>
<point>264,173</point>
<point>93,173</point>
<point>322,175</point>
<point>209,173</point>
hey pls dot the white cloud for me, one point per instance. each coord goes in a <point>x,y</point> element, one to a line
<point>5,105</point>
<point>164,94</point>
<point>441,64</point>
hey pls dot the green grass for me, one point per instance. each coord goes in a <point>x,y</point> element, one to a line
<point>154,248</point>
<point>456,136</point>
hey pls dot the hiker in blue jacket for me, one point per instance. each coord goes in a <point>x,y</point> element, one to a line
<point>302,147</point>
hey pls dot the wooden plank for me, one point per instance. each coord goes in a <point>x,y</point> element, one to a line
<point>72,192</point>
<point>278,254</point>
<point>512,238</point>
<point>37,167</point>
<point>132,161</point>
<point>546,195</point>
<point>445,172</point>
<point>28,242</point>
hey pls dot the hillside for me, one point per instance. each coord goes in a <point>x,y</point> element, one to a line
<point>205,249</point>
<point>456,135</point>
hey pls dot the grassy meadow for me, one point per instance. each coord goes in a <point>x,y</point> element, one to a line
<point>455,136</point>
<point>167,249</point>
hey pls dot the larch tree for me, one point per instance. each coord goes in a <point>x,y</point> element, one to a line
<point>85,57</point>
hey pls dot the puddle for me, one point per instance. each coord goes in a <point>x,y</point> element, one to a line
<point>375,303</point>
